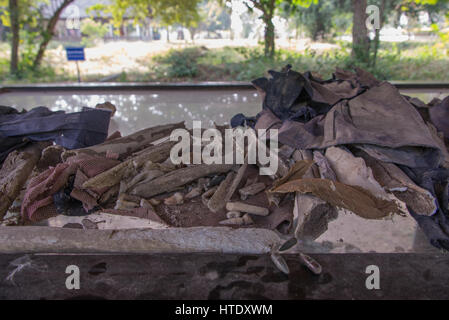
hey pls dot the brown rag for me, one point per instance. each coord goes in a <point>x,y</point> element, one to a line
<point>38,200</point>
<point>380,121</point>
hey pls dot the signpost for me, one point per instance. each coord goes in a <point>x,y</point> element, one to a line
<point>76,54</point>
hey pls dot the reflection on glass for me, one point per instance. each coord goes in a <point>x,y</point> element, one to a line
<point>137,110</point>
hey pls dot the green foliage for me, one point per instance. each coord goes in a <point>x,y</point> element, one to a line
<point>4,13</point>
<point>4,67</point>
<point>428,2</point>
<point>397,61</point>
<point>316,19</point>
<point>92,30</point>
<point>444,36</point>
<point>28,50</point>
<point>402,61</point>
<point>46,73</point>
<point>300,3</point>
<point>30,13</point>
<point>319,19</point>
<point>32,31</point>
<point>269,8</point>
<point>214,16</point>
<point>168,12</point>
<point>179,64</point>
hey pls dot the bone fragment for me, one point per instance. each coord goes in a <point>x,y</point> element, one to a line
<point>243,207</point>
<point>251,190</point>
<point>178,178</point>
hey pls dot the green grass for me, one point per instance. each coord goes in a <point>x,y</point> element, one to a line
<point>410,61</point>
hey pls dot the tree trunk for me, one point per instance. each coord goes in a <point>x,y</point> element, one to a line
<point>267,7</point>
<point>360,40</point>
<point>269,38</point>
<point>268,13</point>
<point>192,34</point>
<point>48,33</point>
<point>15,26</point>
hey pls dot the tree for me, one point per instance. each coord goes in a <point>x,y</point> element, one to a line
<point>92,30</point>
<point>364,49</point>
<point>268,9</point>
<point>320,20</point>
<point>11,14</point>
<point>168,12</point>
<point>360,39</point>
<point>213,17</point>
<point>15,28</point>
<point>26,15</point>
<point>48,32</point>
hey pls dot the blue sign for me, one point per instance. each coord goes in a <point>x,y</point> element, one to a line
<point>75,53</point>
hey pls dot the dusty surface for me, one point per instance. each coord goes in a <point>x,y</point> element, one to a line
<point>194,213</point>
<point>351,233</point>
<point>224,276</point>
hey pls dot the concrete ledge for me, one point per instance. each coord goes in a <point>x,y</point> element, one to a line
<point>126,86</point>
<point>148,86</point>
<point>173,240</point>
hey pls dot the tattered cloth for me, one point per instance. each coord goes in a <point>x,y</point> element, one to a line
<point>439,114</point>
<point>378,120</point>
<point>357,111</point>
<point>70,130</point>
<point>38,203</point>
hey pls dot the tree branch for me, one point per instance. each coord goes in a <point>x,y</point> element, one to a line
<point>48,33</point>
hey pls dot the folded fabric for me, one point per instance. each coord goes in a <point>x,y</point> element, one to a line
<point>70,130</point>
<point>380,121</point>
<point>38,202</point>
<point>373,120</point>
<point>439,114</point>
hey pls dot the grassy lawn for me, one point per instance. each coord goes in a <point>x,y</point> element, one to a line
<point>408,61</point>
<point>395,62</point>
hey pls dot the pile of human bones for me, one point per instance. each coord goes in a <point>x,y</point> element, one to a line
<point>349,143</point>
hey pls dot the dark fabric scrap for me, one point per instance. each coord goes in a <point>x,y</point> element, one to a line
<point>65,204</point>
<point>380,119</point>
<point>285,92</point>
<point>70,130</point>
<point>435,227</point>
<point>439,115</point>
<point>356,110</point>
<point>290,95</point>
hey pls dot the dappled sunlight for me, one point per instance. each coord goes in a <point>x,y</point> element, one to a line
<point>137,111</point>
